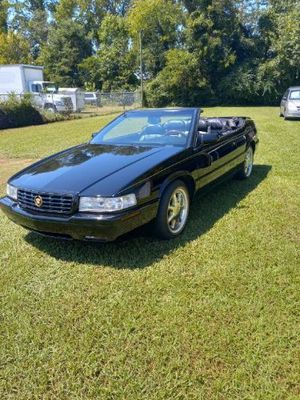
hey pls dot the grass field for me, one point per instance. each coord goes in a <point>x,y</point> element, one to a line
<point>214,314</point>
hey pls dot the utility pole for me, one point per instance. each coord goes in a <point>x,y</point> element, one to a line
<point>141,69</point>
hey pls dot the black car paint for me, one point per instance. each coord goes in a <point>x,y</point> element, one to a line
<point>109,170</point>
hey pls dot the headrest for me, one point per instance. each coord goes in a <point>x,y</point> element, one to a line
<point>174,125</point>
<point>202,126</point>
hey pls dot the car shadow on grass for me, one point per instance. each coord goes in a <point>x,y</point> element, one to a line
<point>139,248</point>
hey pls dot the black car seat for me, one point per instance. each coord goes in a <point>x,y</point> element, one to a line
<point>216,124</point>
<point>203,126</point>
<point>211,125</point>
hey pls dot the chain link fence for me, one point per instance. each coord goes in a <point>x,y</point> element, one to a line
<point>124,99</point>
<point>105,102</point>
<point>85,103</point>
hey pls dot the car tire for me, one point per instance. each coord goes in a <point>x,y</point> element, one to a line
<point>175,202</point>
<point>247,167</point>
<point>51,109</point>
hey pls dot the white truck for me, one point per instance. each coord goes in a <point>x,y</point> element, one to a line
<point>21,79</point>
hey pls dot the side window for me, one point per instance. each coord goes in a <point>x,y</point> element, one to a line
<point>36,88</point>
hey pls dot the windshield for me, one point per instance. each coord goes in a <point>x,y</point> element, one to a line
<point>148,127</point>
<point>49,87</point>
<point>295,95</point>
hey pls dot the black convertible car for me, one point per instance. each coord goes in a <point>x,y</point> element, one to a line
<point>145,165</point>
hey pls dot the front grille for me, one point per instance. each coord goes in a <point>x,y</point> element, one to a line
<point>50,202</point>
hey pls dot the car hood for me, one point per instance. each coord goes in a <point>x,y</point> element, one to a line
<point>78,169</point>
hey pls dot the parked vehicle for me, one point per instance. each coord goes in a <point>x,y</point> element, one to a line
<point>290,103</point>
<point>145,165</point>
<point>21,79</point>
<point>92,98</point>
<point>77,97</point>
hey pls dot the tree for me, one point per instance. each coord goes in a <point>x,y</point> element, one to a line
<point>65,10</point>
<point>160,22</point>
<point>250,12</point>
<point>194,51</point>
<point>215,36</point>
<point>281,66</point>
<point>179,83</point>
<point>31,21</point>
<point>14,49</point>
<point>113,66</point>
<point>67,46</point>
<point>90,13</point>
<point>3,16</point>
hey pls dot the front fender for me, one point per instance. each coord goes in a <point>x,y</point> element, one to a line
<point>185,176</point>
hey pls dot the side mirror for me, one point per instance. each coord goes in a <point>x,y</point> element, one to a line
<point>206,138</point>
<point>94,134</point>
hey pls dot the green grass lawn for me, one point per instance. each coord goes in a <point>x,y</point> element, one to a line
<point>214,314</point>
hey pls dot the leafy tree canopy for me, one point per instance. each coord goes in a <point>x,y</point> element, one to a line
<point>159,22</point>
<point>112,67</point>
<point>3,15</point>
<point>67,46</point>
<point>14,49</point>
<point>194,51</point>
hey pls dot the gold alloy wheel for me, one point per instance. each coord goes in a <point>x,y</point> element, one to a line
<point>178,209</point>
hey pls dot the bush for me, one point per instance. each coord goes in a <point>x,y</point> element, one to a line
<point>56,117</point>
<point>16,112</point>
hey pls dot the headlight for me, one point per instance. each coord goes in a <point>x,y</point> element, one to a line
<point>106,204</point>
<point>12,191</point>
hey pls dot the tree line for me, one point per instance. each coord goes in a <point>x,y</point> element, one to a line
<point>194,51</point>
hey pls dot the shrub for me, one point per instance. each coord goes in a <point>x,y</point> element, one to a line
<point>56,117</point>
<point>15,112</point>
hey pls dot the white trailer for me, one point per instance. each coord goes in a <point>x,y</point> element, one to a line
<point>76,95</point>
<point>20,79</point>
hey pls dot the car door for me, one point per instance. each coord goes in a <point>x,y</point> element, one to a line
<point>223,155</point>
<point>36,90</point>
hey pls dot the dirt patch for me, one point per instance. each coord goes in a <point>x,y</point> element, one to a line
<point>6,160</point>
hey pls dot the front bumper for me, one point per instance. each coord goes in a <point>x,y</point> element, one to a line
<point>292,114</point>
<point>81,226</point>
